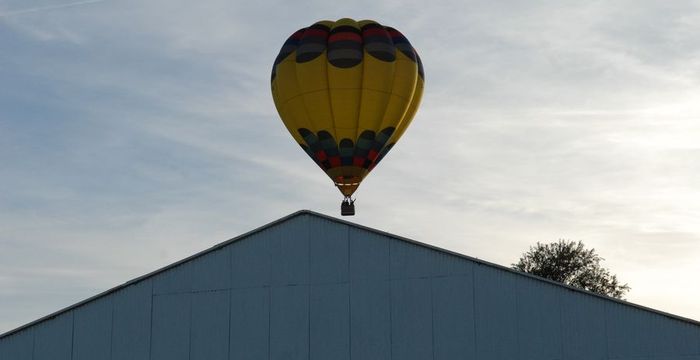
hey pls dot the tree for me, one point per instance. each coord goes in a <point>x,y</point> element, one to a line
<point>570,263</point>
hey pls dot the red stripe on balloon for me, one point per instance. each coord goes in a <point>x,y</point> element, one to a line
<point>358,161</point>
<point>345,36</point>
<point>321,155</point>
<point>372,155</point>
<point>315,32</point>
<point>375,32</point>
<point>335,161</point>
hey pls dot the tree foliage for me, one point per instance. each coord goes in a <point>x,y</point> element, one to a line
<point>570,263</point>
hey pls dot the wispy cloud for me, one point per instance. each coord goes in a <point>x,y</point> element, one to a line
<point>8,13</point>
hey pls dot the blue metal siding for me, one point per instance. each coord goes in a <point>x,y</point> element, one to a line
<point>328,252</point>
<point>453,318</point>
<point>209,336</point>
<point>131,329</point>
<point>250,324</point>
<point>92,333</point>
<point>19,346</point>
<point>310,288</point>
<point>170,337</point>
<point>369,255</point>
<point>584,332</point>
<point>212,272</point>
<point>329,322</point>
<point>539,320</point>
<point>289,322</point>
<point>54,339</point>
<point>411,319</point>
<point>250,259</point>
<point>370,319</point>
<point>289,251</point>
<point>496,314</point>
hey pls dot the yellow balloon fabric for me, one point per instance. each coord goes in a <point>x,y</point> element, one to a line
<point>346,91</point>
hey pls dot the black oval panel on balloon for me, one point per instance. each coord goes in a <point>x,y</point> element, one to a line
<point>312,43</point>
<point>287,48</point>
<point>345,47</point>
<point>377,42</point>
<point>402,43</point>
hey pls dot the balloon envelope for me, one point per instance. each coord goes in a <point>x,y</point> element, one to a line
<point>346,91</point>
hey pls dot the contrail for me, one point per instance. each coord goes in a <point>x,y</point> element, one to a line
<point>50,7</point>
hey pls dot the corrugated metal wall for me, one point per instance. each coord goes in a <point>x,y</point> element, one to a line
<point>313,288</point>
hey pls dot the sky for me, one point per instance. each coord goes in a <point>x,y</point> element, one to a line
<point>136,133</point>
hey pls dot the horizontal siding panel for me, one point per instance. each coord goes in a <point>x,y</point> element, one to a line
<point>369,255</point>
<point>131,323</point>
<point>250,324</point>
<point>92,336</point>
<point>583,326</point>
<point>496,314</point>
<point>370,320</point>
<point>289,251</point>
<point>539,320</point>
<point>18,346</point>
<point>328,249</point>
<point>411,319</point>
<point>289,323</point>
<point>53,339</point>
<point>212,272</point>
<point>330,322</point>
<point>171,327</point>
<point>209,337</point>
<point>453,318</point>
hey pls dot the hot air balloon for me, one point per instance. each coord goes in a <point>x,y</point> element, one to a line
<point>346,91</point>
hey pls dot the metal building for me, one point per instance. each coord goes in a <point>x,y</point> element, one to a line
<point>309,286</point>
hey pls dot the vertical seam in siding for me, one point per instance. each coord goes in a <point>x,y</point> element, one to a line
<point>228,338</point>
<point>561,324</point>
<point>605,323</point>
<point>269,315</point>
<point>189,340</point>
<point>72,334</point>
<point>474,269</point>
<point>111,327</point>
<point>391,308</point>
<point>517,320</point>
<point>150,326</point>
<point>349,277</point>
<point>432,320</point>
